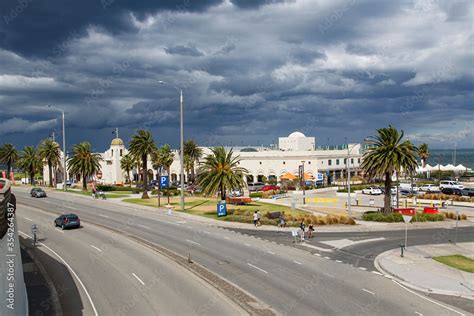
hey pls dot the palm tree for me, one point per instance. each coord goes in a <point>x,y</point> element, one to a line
<point>194,153</point>
<point>188,166</point>
<point>165,158</point>
<point>127,163</point>
<point>389,154</point>
<point>142,145</point>
<point>49,150</point>
<point>29,162</point>
<point>84,162</point>
<point>8,156</point>
<point>220,171</point>
<point>423,153</point>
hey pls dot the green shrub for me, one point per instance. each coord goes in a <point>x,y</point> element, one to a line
<point>256,194</point>
<point>105,188</point>
<point>397,217</point>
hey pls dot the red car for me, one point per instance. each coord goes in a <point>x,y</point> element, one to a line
<point>270,187</point>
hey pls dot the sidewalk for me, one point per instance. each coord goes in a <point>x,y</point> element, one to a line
<point>419,271</point>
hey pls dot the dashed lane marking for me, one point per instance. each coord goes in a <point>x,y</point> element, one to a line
<point>297,262</point>
<point>139,280</point>
<point>259,269</point>
<point>96,248</point>
<point>370,292</point>
<point>193,242</point>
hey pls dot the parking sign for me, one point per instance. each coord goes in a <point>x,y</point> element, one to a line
<point>221,209</point>
<point>163,182</point>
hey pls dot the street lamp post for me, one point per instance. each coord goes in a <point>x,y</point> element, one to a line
<point>64,147</point>
<point>181,154</point>
<point>304,182</point>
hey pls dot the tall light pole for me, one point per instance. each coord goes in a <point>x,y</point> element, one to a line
<point>304,182</point>
<point>64,146</point>
<point>181,154</point>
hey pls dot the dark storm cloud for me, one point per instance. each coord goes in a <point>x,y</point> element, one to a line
<point>250,71</point>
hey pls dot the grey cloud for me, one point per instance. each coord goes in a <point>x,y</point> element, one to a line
<point>184,51</point>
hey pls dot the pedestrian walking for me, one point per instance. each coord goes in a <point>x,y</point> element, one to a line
<point>259,217</point>
<point>310,230</point>
<point>302,227</point>
<point>255,218</point>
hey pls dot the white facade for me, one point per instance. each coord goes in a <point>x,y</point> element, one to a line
<point>296,141</point>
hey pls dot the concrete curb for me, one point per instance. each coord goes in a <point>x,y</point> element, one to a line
<point>54,293</point>
<point>407,283</point>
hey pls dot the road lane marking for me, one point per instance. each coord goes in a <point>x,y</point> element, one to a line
<point>225,237</point>
<point>28,219</point>
<point>429,300</point>
<point>362,268</point>
<point>329,275</point>
<point>420,314</point>
<point>255,267</point>
<point>297,262</point>
<point>376,272</point>
<point>270,252</point>
<point>193,242</point>
<point>370,292</point>
<point>144,226</point>
<point>72,271</point>
<point>327,258</point>
<point>139,280</point>
<point>59,230</point>
<point>317,254</point>
<point>96,248</point>
<point>338,261</point>
<point>205,231</point>
<point>102,215</point>
<point>247,245</point>
<point>181,222</point>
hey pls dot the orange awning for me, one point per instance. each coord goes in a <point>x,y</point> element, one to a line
<point>288,176</point>
<point>307,176</point>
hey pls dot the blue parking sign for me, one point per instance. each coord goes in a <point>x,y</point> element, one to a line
<point>221,209</point>
<point>163,182</point>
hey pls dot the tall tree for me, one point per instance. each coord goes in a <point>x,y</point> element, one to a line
<point>157,164</point>
<point>142,145</point>
<point>29,162</point>
<point>165,158</point>
<point>84,162</point>
<point>220,171</point>
<point>389,153</point>
<point>423,153</point>
<point>49,152</point>
<point>194,153</point>
<point>8,156</point>
<point>126,164</point>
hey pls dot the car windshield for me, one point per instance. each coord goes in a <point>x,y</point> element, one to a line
<point>72,217</point>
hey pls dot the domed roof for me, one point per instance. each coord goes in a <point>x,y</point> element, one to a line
<point>296,135</point>
<point>116,141</point>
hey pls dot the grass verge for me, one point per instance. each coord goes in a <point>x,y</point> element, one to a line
<point>457,261</point>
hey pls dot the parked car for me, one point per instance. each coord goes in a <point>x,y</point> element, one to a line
<point>467,192</point>
<point>257,186</point>
<point>67,221</point>
<point>450,184</point>
<point>270,187</point>
<point>451,191</point>
<point>37,193</point>
<point>429,188</point>
<point>371,191</point>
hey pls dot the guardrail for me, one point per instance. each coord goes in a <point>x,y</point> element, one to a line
<point>13,297</point>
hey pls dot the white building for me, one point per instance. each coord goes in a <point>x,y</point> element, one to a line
<point>261,162</point>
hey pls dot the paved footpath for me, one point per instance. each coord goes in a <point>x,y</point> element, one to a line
<point>418,270</point>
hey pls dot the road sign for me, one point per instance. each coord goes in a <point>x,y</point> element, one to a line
<point>300,172</point>
<point>319,177</point>
<point>163,182</point>
<point>371,202</point>
<point>407,218</point>
<point>34,229</point>
<point>221,209</point>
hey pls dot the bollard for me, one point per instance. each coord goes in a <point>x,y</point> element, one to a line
<point>357,202</point>
<point>402,247</point>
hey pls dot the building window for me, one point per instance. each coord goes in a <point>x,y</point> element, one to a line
<point>358,160</point>
<point>112,152</point>
<point>345,161</point>
<point>283,162</point>
<point>329,162</point>
<point>352,161</point>
<point>309,162</point>
<point>260,162</point>
<point>337,162</point>
<point>322,162</point>
<point>120,152</point>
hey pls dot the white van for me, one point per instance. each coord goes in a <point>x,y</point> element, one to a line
<point>450,184</point>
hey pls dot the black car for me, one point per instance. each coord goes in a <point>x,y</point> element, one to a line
<point>37,193</point>
<point>451,191</point>
<point>67,221</point>
<point>467,192</point>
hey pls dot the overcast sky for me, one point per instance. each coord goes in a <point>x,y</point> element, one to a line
<point>251,71</point>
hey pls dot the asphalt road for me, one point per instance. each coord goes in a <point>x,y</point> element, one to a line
<point>289,280</point>
<point>121,277</point>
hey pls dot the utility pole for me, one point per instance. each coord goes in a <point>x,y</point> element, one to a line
<point>349,210</point>
<point>304,183</point>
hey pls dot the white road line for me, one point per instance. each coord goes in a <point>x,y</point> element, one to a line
<point>329,275</point>
<point>376,272</point>
<point>205,231</point>
<point>96,248</point>
<point>59,230</point>
<point>181,222</point>
<point>28,219</point>
<point>270,252</point>
<point>317,254</point>
<point>429,300</point>
<point>370,292</point>
<point>327,258</point>
<point>420,314</point>
<point>338,261</point>
<point>193,242</point>
<point>102,215</point>
<point>225,237</point>
<point>255,267</point>
<point>72,271</point>
<point>297,262</point>
<point>144,226</point>
<point>247,245</point>
<point>362,268</point>
<point>139,280</point>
